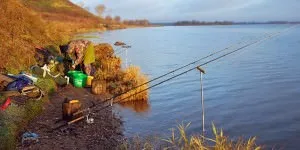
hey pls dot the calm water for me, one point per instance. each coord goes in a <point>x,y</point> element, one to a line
<point>254,92</point>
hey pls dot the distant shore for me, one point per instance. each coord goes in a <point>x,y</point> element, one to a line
<point>202,23</point>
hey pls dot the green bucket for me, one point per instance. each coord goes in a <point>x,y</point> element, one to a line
<point>73,72</point>
<point>79,80</point>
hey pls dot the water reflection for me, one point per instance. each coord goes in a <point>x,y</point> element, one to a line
<point>137,106</point>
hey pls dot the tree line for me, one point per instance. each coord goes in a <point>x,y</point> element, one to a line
<point>196,23</point>
<point>100,9</point>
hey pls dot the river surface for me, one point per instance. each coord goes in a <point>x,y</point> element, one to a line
<point>253,92</point>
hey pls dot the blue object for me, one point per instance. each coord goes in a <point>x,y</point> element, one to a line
<point>19,83</point>
<point>30,135</point>
<point>59,59</point>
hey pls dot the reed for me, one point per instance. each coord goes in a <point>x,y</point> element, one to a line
<point>180,141</point>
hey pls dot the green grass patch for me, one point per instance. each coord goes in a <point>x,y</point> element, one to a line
<point>10,120</point>
<point>15,117</point>
<point>47,85</point>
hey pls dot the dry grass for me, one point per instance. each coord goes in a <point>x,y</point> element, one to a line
<point>59,8</point>
<point>133,78</point>
<point>118,81</point>
<point>108,66</point>
<point>181,141</point>
<point>27,24</point>
<point>220,142</point>
<point>23,28</point>
<point>20,31</point>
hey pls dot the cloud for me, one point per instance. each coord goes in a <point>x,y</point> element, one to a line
<point>173,10</point>
<point>216,9</point>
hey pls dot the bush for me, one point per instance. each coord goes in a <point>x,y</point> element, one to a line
<point>132,79</point>
<point>117,80</point>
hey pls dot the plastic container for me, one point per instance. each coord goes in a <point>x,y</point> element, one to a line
<point>89,81</point>
<point>79,80</point>
<point>70,74</point>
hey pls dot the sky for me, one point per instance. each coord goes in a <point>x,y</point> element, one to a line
<point>202,10</point>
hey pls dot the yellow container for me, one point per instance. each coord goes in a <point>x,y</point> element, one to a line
<point>89,80</point>
<point>70,107</point>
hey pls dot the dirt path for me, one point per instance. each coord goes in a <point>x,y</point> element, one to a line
<point>105,133</point>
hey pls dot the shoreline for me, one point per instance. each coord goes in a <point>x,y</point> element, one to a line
<point>105,133</point>
<point>76,134</point>
<point>56,99</point>
<point>13,127</point>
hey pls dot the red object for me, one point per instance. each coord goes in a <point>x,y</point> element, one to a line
<point>6,104</point>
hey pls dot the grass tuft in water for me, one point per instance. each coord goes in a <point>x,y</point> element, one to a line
<point>180,141</point>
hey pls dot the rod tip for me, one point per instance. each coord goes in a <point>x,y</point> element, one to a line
<point>201,69</point>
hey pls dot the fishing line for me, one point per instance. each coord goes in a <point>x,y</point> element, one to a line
<point>203,64</point>
<point>212,60</point>
<point>184,66</point>
<point>227,48</point>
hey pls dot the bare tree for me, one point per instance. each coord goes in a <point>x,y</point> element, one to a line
<point>125,21</point>
<point>81,4</point>
<point>117,19</point>
<point>100,9</point>
<point>143,22</point>
<point>108,19</point>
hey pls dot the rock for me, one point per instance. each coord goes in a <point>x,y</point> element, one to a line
<point>119,43</point>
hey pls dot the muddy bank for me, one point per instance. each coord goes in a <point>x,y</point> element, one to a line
<point>105,133</point>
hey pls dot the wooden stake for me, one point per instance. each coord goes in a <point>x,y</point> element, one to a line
<point>75,120</point>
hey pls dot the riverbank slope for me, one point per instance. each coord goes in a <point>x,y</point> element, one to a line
<point>27,26</point>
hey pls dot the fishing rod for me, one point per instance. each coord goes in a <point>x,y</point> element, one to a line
<point>212,60</point>
<point>182,67</point>
<point>191,69</point>
<point>115,96</point>
<point>203,64</point>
